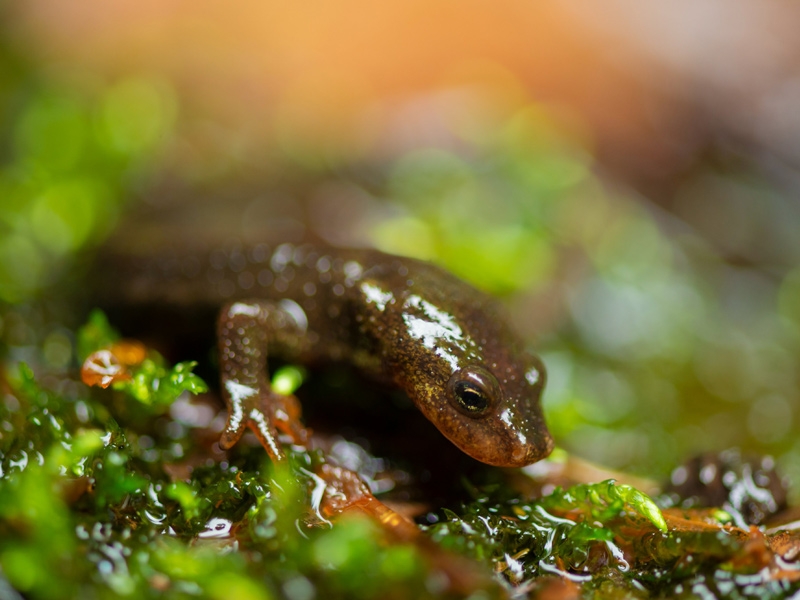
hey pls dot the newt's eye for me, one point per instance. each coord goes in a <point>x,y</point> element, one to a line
<point>471,398</point>
<point>473,391</point>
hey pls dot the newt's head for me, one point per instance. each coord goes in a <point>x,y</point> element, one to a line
<point>464,368</point>
<point>496,417</point>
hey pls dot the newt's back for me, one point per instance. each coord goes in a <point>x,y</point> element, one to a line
<point>445,343</point>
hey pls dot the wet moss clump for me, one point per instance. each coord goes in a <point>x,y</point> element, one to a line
<point>124,492</point>
<point>91,509</point>
<point>540,545</point>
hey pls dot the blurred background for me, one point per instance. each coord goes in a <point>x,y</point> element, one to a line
<point>626,176</point>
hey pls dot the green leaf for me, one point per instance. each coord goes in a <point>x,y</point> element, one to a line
<point>605,500</point>
<point>287,379</point>
<point>156,385</point>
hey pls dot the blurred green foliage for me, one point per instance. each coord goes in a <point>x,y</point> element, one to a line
<point>74,152</point>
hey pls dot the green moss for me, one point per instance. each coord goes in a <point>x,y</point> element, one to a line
<point>82,511</point>
<point>605,500</point>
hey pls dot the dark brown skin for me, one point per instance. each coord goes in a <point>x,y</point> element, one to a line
<point>401,320</point>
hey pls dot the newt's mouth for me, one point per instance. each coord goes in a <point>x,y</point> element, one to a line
<point>521,456</point>
<point>541,448</point>
<point>508,448</point>
<point>520,441</point>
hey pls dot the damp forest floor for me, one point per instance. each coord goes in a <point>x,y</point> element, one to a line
<point>123,492</point>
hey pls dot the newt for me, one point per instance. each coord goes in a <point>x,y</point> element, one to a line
<point>403,321</point>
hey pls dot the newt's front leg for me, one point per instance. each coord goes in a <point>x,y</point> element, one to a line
<point>245,330</point>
